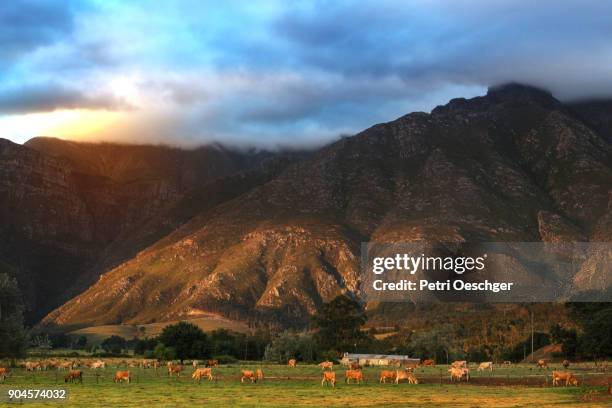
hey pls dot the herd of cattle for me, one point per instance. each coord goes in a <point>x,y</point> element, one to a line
<point>458,371</point>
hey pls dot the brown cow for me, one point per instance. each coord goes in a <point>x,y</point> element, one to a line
<point>542,364</point>
<point>355,366</point>
<point>74,375</point>
<point>459,364</point>
<point>202,372</point>
<point>175,369</point>
<point>32,365</point>
<point>122,376</point>
<point>487,365</point>
<point>260,374</point>
<point>429,363</point>
<point>292,362</point>
<point>459,373</point>
<point>3,373</point>
<point>386,375</point>
<point>326,364</point>
<point>566,364</point>
<point>249,375</point>
<point>356,375</point>
<point>567,376</point>
<point>329,377</point>
<point>212,363</point>
<point>405,375</point>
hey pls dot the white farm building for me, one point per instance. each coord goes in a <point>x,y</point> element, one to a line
<point>378,359</point>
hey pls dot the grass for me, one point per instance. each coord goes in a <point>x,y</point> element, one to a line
<point>300,387</point>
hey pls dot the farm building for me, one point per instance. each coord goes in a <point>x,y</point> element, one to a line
<point>378,359</point>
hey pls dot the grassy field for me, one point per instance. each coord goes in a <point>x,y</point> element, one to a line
<point>517,386</point>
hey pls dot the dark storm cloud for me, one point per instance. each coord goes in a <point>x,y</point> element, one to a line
<point>26,25</point>
<point>50,97</point>
<point>307,71</point>
<point>562,45</point>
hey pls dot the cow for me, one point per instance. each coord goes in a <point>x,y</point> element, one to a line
<point>32,365</point>
<point>567,376</point>
<point>395,363</point>
<point>405,375</point>
<point>355,366</point>
<point>249,375</point>
<point>202,372</point>
<point>74,375</point>
<point>542,364</point>
<point>175,369</point>
<point>459,364</point>
<point>507,363</point>
<point>566,364</point>
<point>3,373</point>
<point>195,363</point>
<point>212,363</point>
<point>429,363</point>
<point>67,365</point>
<point>356,375</point>
<point>411,365</point>
<point>487,365</point>
<point>260,374</point>
<point>326,364</point>
<point>122,376</point>
<point>292,362</point>
<point>329,377</point>
<point>386,375</point>
<point>459,374</point>
<point>97,365</point>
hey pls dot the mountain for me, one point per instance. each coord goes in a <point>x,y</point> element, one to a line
<point>513,165</point>
<point>69,211</point>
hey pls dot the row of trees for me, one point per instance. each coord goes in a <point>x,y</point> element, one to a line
<point>336,329</point>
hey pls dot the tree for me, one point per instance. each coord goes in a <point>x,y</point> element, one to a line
<point>187,339</point>
<point>13,337</point>
<point>339,325</point>
<point>596,340</point>
<point>439,343</point>
<point>596,320</point>
<point>114,344</point>
<point>286,346</point>
<point>568,338</point>
<point>80,342</point>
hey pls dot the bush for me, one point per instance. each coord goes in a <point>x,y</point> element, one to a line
<point>225,359</point>
<point>187,340</point>
<point>114,344</point>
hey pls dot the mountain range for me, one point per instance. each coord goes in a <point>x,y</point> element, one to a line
<point>108,233</point>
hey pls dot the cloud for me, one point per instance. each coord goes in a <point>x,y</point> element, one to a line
<point>26,25</point>
<point>50,97</point>
<point>279,72</point>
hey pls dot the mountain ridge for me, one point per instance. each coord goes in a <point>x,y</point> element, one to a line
<point>513,165</point>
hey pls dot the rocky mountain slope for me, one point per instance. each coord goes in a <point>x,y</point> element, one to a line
<point>67,209</point>
<point>514,165</point>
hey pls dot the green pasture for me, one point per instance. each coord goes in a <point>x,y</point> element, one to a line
<point>300,387</point>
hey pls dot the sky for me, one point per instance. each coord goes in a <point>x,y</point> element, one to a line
<point>279,73</point>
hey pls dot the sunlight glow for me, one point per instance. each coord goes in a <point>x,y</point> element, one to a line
<point>78,124</point>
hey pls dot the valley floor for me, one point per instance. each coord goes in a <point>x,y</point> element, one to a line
<point>518,386</point>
